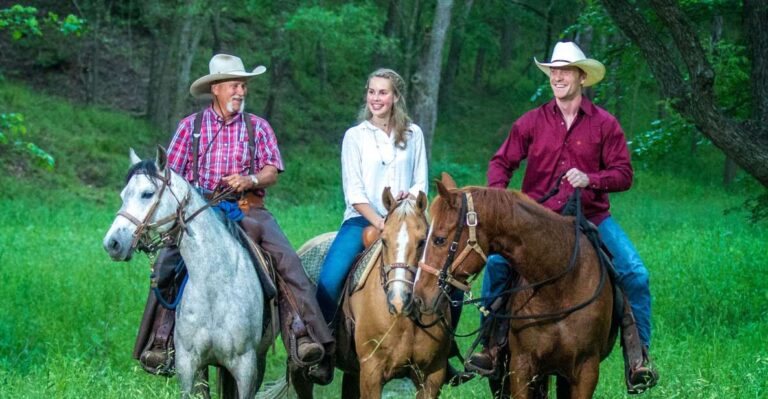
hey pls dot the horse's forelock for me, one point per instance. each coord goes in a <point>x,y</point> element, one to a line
<point>145,167</point>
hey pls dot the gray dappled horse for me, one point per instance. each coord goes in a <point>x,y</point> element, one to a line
<point>219,318</point>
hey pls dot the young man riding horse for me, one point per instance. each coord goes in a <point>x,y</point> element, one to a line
<point>571,137</point>
<point>224,146</point>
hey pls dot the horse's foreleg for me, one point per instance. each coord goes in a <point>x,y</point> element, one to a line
<point>521,383</point>
<point>371,379</point>
<point>186,368</point>
<point>584,383</point>
<point>430,386</point>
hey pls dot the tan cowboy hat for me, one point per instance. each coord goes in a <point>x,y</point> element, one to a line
<point>569,54</point>
<point>222,67</point>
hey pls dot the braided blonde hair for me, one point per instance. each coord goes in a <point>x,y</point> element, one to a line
<point>399,114</point>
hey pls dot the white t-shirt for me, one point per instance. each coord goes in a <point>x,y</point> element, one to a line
<point>370,161</point>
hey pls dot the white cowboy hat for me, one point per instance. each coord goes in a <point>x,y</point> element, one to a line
<point>222,67</point>
<point>569,54</point>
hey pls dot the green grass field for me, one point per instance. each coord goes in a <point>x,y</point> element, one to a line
<point>70,314</point>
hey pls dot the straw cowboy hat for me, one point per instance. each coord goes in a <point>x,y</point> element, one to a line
<point>569,54</point>
<point>222,67</point>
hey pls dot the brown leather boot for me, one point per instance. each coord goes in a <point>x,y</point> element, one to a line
<point>483,362</point>
<point>639,372</point>
<point>642,376</point>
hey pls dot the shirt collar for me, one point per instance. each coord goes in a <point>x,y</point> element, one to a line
<point>216,117</point>
<point>586,107</point>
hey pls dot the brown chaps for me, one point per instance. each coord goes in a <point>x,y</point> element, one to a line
<point>299,312</point>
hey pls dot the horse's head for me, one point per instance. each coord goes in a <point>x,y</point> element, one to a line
<point>403,237</point>
<point>452,253</point>
<point>152,199</point>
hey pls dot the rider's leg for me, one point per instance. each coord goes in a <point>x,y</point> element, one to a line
<point>301,319</point>
<point>497,277</point>
<point>345,247</point>
<point>154,339</point>
<point>633,279</point>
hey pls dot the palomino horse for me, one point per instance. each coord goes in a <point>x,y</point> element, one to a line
<point>219,319</point>
<point>376,339</point>
<point>560,313</point>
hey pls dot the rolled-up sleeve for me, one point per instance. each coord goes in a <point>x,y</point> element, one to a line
<point>268,153</point>
<point>351,170</point>
<point>420,171</point>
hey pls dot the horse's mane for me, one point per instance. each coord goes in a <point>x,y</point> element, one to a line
<point>500,201</point>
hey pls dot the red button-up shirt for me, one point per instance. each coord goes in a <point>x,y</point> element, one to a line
<point>223,149</point>
<point>594,144</point>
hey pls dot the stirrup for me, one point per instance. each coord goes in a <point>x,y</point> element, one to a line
<point>454,377</point>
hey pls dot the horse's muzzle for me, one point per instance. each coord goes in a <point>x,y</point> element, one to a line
<point>399,303</point>
<point>118,249</point>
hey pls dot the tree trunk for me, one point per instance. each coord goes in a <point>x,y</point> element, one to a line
<point>381,59</point>
<point>426,82</point>
<point>454,55</point>
<point>746,143</point>
<point>411,41</point>
<point>189,39</point>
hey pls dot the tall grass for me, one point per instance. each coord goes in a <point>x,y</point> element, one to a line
<point>70,314</point>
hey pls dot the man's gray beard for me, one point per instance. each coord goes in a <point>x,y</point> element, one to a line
<point>231,108</point>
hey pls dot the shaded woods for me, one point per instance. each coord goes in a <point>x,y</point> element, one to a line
<point>678,73</point>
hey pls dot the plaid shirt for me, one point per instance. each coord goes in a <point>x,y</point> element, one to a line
<point>223,149</point>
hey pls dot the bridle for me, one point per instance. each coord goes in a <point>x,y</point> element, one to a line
<point>467,216</point>
<point>386,268</point>
<point>143,239</point>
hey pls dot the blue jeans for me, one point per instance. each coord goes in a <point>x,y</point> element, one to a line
<point>347,244</point>
<point>632,275</point>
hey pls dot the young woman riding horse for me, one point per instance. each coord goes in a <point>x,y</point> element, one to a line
<point>377,340</point>
<point>470,222</point>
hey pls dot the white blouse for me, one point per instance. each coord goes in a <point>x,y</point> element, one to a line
<point>370,161</point>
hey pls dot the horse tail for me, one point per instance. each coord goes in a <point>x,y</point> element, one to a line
<point>227,384</point>
<point>274,389</point>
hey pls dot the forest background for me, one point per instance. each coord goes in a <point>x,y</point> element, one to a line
<point>84,80</point>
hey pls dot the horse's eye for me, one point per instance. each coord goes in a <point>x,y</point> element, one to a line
<point>147,194</point>
<point>439,241</point>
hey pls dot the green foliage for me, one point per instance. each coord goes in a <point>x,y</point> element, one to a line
<point>23,21</point>
<point>12,128</point>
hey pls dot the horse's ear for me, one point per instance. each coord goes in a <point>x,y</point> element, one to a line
<point>161,160</point>
<point>421,201</point>
<point>134,158</point>
<point>388,199</point>
<point>447,196</point>
<point>448,181</point>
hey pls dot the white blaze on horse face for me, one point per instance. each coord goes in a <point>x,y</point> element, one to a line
<point>400,257</point>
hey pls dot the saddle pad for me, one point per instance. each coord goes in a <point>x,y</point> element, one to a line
<point>313,252</point>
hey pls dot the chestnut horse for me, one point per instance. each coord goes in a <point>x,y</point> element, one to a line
<point>560,313</point>
<point>376,341</point>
